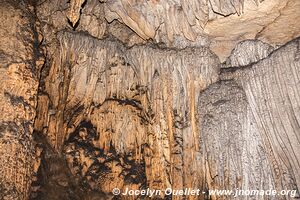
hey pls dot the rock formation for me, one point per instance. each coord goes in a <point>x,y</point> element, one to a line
<point>104,94</point>
<point>20,66</point>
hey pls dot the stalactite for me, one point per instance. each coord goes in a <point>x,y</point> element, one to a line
<point>132,95</point>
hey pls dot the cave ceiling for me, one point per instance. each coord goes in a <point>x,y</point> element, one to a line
<point>138,94</point>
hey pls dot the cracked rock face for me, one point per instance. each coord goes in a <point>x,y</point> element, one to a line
<point>104,94</point>
<point>20,65</point>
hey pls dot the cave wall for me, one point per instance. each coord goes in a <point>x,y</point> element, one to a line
<point>148,94</point>
<point>142,101</point>
<point>20,66</point>
<point>250,123</point>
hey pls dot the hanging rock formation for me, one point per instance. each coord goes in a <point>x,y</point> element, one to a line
<point>104,94</point>
<point>132,98</point>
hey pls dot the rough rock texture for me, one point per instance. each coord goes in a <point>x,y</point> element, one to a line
<point>248,52</point>
<point>219,25</point>
<point>232,147</point>
<point>141,101</point>
<point>274,22</point>
<point>20,64</point>
<point>148,94</point>
<point>272,89</point>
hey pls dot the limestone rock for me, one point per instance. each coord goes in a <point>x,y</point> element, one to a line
<point>19,79</point>
<point>74,11</point>
<point>153,91</point>
<point>217,24</point>
<point>92,19</point>
<point>97,95</point>
<point>232,147</point>
<point>272,90</point>
<point>257,21</point>
<point>248,52</point>
<point>224,22</point>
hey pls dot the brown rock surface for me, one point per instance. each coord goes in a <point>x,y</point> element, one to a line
<point>19,78</point>
<point>104,94</point>
<point>132,100</point>
<point>217,24</point>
